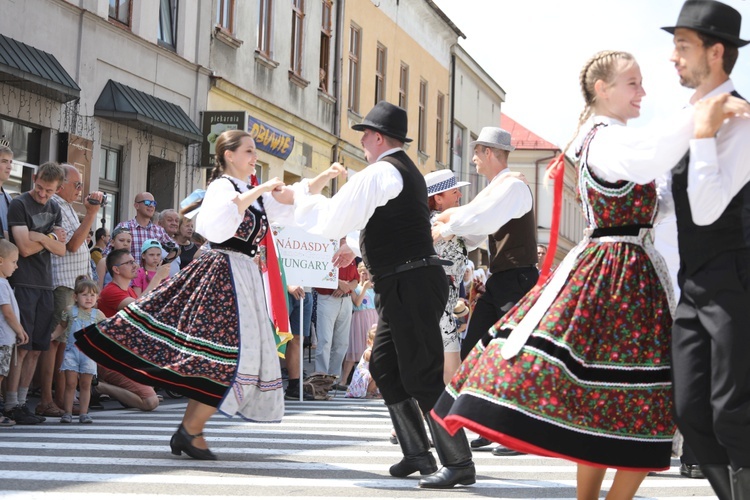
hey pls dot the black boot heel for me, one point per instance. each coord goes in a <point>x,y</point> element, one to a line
<point>182,441</point>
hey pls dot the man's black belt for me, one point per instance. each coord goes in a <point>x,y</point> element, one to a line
<point>630,230</point>
<point>432,260</point>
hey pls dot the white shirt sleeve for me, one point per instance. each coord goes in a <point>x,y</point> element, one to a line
<point>501,201</point>
<point>350,208</point>
<point>278,213</point>
<point>640,154</point>
<point>219,216</point>
<point>719,168</point>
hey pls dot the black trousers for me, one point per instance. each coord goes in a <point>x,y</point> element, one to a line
<point>407,354</point>
<point>711,361</point>
<point>504,289</point>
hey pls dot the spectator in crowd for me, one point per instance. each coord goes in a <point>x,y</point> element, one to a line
<point>11,331</point>
<point>65,270</point>
<point>151,253</point>
<point>6,166</point>
<point>363,386</point>
<point>34,220</point>
<point>101,239</point>
<point>170,220</point>
<point>294,294</point>
<point>334,321</point>
<point>121,240</point>
<point>78,369</point>
<point>189,250</point>
<point>115,296</point>
<point>141,226</point>
<point>364,315</point>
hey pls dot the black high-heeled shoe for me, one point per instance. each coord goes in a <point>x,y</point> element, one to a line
<point>182,441</point>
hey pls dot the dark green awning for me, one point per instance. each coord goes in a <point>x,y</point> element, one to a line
<point>23,66</point>
<point>127,105</point>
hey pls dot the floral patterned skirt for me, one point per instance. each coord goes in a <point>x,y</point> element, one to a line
<point>592,383</point>
<point>205,333</point>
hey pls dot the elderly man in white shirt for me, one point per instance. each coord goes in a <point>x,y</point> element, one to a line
<point>502,210</point>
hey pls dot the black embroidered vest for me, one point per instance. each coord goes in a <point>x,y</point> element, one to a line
<point>250,232</point>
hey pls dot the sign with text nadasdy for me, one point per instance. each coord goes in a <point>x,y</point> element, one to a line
<point>306,257</point>
<point>270,139</point>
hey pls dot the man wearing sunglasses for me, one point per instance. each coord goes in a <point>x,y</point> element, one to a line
<point>65,269</point>
<point>141,226</point>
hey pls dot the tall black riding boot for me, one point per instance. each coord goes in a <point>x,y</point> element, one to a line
<point>409,426</point>
<point>740,483</point>
<point>719,477</point>
<point>455,455</point>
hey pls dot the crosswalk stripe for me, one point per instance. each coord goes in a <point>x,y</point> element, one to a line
<point>289,482</point>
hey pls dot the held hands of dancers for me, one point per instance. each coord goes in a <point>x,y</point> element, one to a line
<point>711,113</point>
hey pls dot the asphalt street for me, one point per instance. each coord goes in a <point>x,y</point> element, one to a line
<point>322,449</point>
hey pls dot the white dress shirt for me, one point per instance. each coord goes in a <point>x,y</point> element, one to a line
<point>503,199</point>
<point>354,204</point>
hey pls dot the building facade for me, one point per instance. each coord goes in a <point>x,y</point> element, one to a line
<point>275,61</point>
<point>399,52</point>
<point>476,103</point>
<point>116,88</point>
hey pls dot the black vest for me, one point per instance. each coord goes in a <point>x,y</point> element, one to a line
<point>514,244</point>
<point>250,232</point>
<point>399,231</point>
<point>700,244</point>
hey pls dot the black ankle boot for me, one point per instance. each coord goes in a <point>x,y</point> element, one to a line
<point>182,441</point>
<point>718,476</point>
<point>740,483</point>
<point>455,455</point>
<point>409,426</point>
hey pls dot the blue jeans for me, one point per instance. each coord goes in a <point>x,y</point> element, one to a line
<point>306,314</point>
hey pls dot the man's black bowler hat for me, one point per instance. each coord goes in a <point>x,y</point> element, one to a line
<point>388,119</point>
<point>711,18</point>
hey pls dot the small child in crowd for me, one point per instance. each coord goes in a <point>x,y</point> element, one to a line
<point>363,386</point>
<point>11,331</point>
<point>151,252</point>
<point>79,369</point>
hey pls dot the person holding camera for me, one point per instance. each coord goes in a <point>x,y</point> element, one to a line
<point>65,269</point>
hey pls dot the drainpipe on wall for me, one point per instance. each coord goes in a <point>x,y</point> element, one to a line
<point>337,72</point>
<point>453,107</point>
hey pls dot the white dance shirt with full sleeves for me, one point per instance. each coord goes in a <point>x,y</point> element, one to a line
<point>219,217</point>
<point>354,204</point>
<point>503,199</point>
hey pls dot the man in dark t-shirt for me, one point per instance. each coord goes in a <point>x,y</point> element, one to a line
<point>34,226</point>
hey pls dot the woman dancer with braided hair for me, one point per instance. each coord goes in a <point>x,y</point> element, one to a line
<point>580,368</point>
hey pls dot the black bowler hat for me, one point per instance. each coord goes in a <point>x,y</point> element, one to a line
<point>711,18</point>
<point>388,119</point>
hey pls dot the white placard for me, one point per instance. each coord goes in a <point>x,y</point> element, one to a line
<point>306,257</point>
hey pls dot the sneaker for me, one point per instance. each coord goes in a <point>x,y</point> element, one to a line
<point>23,417</point>
<point>85,419</point>
<point>67,418</point>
